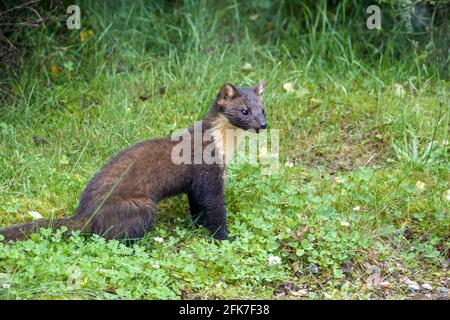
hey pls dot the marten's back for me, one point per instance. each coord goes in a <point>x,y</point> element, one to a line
<point>143,170</point>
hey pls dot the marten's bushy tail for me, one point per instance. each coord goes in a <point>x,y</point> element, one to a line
<point>22,231</point>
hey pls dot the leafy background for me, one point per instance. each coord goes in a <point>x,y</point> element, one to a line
<point>357,210</point>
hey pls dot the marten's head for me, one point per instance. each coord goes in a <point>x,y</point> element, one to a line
<point>242,107</point>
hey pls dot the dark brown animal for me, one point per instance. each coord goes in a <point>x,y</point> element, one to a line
<point>120,201</point>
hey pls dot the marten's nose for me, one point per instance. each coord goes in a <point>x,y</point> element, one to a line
<point>263,125</point>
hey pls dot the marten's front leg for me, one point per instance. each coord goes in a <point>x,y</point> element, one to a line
<point>216,218</point>
<point>208,196</point>
<point>198,218</point>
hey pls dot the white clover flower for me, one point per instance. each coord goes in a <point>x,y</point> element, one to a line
<point>36,215</point>
<point>289,164</point>
<point>158,239</point>
<point>247,67</point>
<point>357,208</point>
<point>6,286</point>
<point>274,154</point>
<point>156,266</point>
<point>345,224</point>
<point>399,90</point>
<point>339,180</point>
<point>263,152</point>
<point>445,143</point>
<point>447,195</point>
<point>274,260</point>
<point>288,87</point>
<point>420,186</point>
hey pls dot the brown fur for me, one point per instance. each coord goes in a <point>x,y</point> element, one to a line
<point>120,201</point>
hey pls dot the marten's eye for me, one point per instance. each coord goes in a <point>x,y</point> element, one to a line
<point>244,112</point>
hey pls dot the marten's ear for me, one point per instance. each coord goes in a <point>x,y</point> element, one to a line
<point>227,92</point>
<point>259,89</point>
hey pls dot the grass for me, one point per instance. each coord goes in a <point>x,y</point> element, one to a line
<point>359,134</point>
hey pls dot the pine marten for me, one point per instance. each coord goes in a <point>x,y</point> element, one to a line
<point>120,200</point>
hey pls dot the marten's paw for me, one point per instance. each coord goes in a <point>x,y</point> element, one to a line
<point>221,234</point>
<point>224,237</point>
